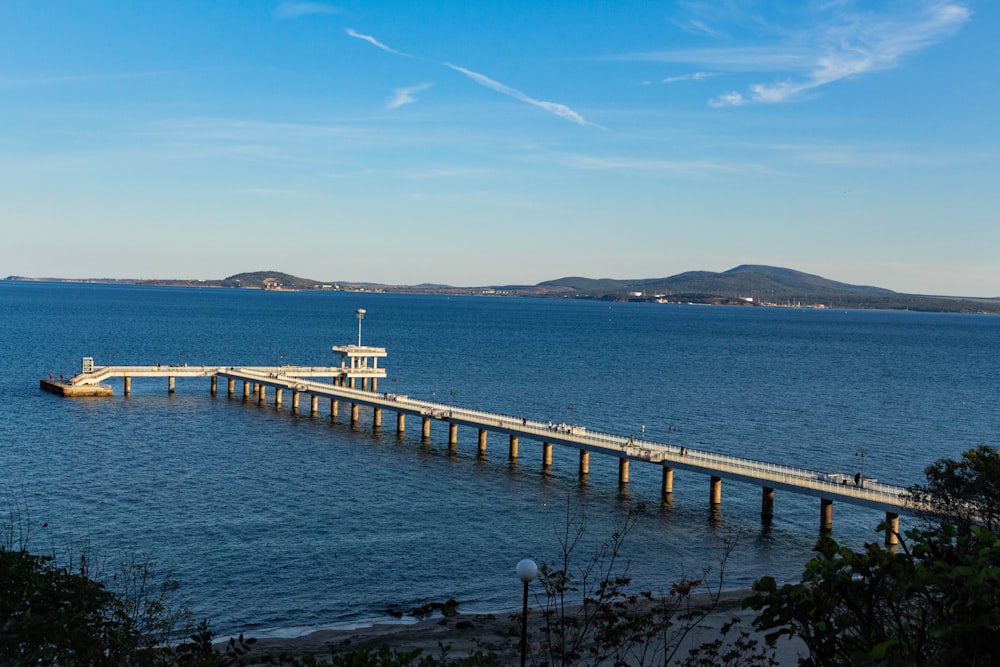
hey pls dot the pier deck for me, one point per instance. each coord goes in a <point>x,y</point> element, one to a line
<point>306,380</point>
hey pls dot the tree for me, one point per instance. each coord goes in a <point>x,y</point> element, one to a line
<point>934,600</point>
<point>51,615</point>
<point>966,491</point>
<point>591,616</point>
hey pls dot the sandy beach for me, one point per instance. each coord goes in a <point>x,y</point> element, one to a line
<point>465,634</point>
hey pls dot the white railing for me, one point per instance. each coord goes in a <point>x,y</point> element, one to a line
<point>290,377</point>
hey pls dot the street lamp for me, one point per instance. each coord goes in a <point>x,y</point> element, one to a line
<point>361,315</point>
<point>861,480</point>
<point>526,571</point>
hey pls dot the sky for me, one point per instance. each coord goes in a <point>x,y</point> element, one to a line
<point>491,143</point>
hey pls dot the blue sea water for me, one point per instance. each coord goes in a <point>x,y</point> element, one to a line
<point>275,521</point>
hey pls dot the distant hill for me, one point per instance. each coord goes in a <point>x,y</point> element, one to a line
<point>745,285</point>
<point>271,280</point>
<point>750,284</point>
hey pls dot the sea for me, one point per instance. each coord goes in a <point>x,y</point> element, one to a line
<point>277,523</point>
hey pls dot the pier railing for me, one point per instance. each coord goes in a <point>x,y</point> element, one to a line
<point>297,379</point>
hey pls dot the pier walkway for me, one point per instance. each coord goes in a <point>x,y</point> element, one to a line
<point>354,382</point>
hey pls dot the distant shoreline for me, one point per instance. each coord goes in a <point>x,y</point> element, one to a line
<point>804,296</point>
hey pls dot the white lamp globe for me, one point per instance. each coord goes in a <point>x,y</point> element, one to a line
<point>526,570</point>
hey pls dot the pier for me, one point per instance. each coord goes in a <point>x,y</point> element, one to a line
<point>354,382</point>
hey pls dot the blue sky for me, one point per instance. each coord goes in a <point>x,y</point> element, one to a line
<point>476,143</point>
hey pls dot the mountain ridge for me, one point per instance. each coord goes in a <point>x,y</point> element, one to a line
<point>744,285</point>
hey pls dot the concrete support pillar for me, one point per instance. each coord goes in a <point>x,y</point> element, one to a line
<point>261,392</point>
<point>215,385</point>
<point>546,454</point>
<point>374,384</point>
<point>825,515</point>
<point>295,400</point>
<point>767,503</point>
<point>715,491</point>
<point>667,485</point>
<point>128,385</point>
<point>246,389</point>
<point>170,384</point>
<point>512,451</point>
<point>277,396</point>
<point>425,428</point>
<point>314,405</point>
<point>452,433</point>
<point>400,422</point>
<point>350,383</point>
<point>377,417</point>
<point>333,408</point>
<point>354,414</point>
<point>231,387</point>
<point>584,462</point>
<point>892,529</point>
<point>622,471</point>
<point>482,442</point>
<point>364,384</point>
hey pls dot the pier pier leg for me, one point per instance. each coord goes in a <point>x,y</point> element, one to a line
<point>512,451</point>
<point>314,405</point>
<point>825,515</point>
<point>128,385</point>
<point>892,529</point>
<point>295,401</point>
<point>400,423</point>
<point>667,484</point>
<point>482,442</point>
<point>377,418</point>
<point>333,409</point>
<point>261,393</point>
<point>425,428</point>
<point>766,503</point>
<point>715,491</point>
<point>584,463</point>
<point>350,383</point>
<point>546,455</point>
<point>231,387</point>
<point>277,396</point>
<point>364,384</point>
<point>354,414</point>
<point>246,389</point>
<point>374,383</point>
<point>452,436</point>
<point>170,384</point>
<point>622,471</point>
<point>215,385</point>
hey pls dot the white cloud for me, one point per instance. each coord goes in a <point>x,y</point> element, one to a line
<point>403,96</point>
<point>560,110</point>
<point>867,43</point>
<point>844,44</point>
<point>694,76</point>
<point>291,9</point>
<point>374,42</point>
<point>732,99</point>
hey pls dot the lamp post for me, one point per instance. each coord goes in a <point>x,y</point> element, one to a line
<point>361,315</point>
<point>526,571</point>
<point>862,479</point>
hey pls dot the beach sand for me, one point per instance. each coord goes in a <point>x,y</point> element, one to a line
<point>465,634</point>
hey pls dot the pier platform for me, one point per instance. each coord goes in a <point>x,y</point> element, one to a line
<point>71,390</point>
